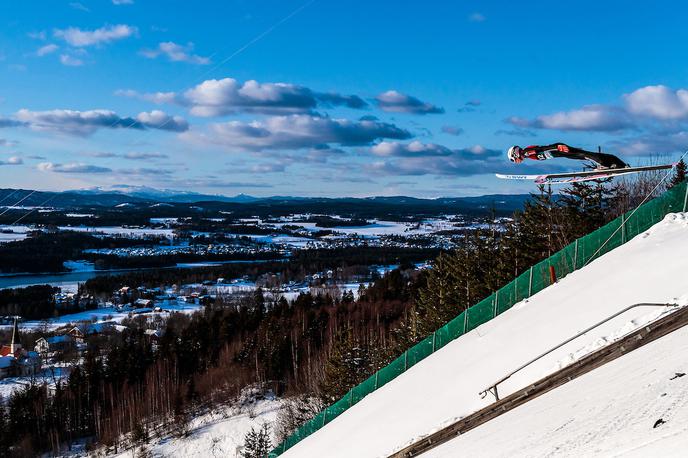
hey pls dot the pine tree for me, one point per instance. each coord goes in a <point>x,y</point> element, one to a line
<point>257,444</point>
<point>536,226</point>
<point>438,300</point>
<point>350,363</point>
<point>583,208</point>
<point>679,174</point>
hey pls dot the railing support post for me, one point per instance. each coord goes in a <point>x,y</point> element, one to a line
<point>405,360</point>
<point>434,336</point>
<point>376,379</point>
<point>575,256</point>
<point>685,199</point>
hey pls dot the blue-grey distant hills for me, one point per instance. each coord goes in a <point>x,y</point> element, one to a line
<point>142,197</point>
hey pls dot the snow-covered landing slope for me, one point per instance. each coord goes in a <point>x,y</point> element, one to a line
<point>444,387</point>
<point>611,411</point>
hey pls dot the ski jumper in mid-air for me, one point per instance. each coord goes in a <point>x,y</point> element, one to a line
<point>541,153</point>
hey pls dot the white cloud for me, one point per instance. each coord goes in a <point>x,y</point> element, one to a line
<point>225,96</point>
<point>47,49</point>
<point>81,38</point>
<point>14,160</point>
<point>396,102</point>
<point>462,162</point>
<point>160,120</point>
<point>71,167</point>
<point>136,156</point>
<point>70,61</point>
<point>83,123</point>
<point>79,6</point>
<point>413,149</point>
<point>661,143</point>
<point>176,53</point>
<point>155,97</point>
<point>228,96</point>
<point>649,108</point>
<point>452,130</point>
<point>268,168</point>
<point>587,118</point>
<point>296,131</point>
<point>658,102</point>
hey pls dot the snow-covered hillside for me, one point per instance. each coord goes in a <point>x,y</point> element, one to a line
<point>220,433</point>
<point>635,406</point>
<point>445,386</point>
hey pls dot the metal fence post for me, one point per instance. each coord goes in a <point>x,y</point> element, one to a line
<point>530,282</point>
<point>376,373</point>
<point>465,320</point>
<point>575,256</point>
<point>685,200</point>
<point>515,290</point>
<point>405,360</point>
<point>324,415</point>
<point>623,229</point>
<point>351,397</point>
<point>495,304</point>
<point>434,336</point>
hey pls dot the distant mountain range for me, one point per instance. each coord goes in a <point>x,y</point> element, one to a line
<point>145,196</point>
<point>163,195</point>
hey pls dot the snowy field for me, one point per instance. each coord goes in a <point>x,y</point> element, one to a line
<point>445,386</point>
<point>610,411</point>
<point>13,233</point>
<point>21,232</point>
<point>380,227</point>
<point>106,314</point>
<point>49,376</point>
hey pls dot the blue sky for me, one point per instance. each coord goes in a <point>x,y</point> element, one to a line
<point>326,98</point>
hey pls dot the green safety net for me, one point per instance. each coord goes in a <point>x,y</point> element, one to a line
<point>572,257</point>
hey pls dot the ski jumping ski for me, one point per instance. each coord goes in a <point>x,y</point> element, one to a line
<point>588,175</point>
<point>608,165</point>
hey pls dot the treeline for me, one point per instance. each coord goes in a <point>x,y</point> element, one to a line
<point>31,303</point>
<point>37,302</point>
<point>330,222</point>
<point>46,252</point>
<point>353,260</point>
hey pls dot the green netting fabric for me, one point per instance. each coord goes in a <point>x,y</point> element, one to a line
<point>535,279</point>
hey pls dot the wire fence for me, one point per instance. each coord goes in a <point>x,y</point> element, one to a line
<point>572,257</point>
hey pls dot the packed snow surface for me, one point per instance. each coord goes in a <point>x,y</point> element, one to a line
<point>444,387</point>
<point>611,411</point>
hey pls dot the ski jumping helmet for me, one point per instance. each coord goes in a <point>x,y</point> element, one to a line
<point>514,154</point>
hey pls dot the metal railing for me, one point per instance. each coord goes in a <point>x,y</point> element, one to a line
<point>492,389</point>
